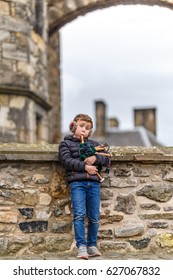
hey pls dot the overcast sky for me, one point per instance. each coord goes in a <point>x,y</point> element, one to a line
<point>124,56</point>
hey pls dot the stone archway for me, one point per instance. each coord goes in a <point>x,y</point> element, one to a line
<point>63,11</point>
<point>59,13</point>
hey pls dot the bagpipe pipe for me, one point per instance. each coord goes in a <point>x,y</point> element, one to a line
<point>87,150</point>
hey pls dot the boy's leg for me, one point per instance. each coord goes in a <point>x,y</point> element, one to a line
<point>78,195</point>
<point>93,212</point>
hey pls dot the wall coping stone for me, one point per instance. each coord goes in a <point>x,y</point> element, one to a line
<point>49,152</point>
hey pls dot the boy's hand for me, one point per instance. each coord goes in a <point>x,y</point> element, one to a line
<point>91,169</point>
<point>90,160</point>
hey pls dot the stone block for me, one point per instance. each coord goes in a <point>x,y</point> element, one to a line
<point>30,197</point>
<point>114,218</point>
<point>10,51</point>
<point>4,35</point>
<point>10,217</point>
<point>5,208</point>
<point>26,212</point>
<point>37,239</point>
<point>105,234</point>
<point>150,206</point>
<point>3,245</point>
<point>156,216</point>
<point>17,243</point>
<point>38,41</point>
<point>158,224</point>
<point>141,172</point>
<point>6,194</point>
<point>33,226</point>
<point>61,227</point>
<point>17,102</point>
<point>168,175</point>
<point>165,240</point>
<point>109,245</point>
<point>123,182</point>
<point>4,100</point>
<point>168,208</point>
<point>7,229</point>
<point>4,8</point>
<point>44,199</point>
<point>11,183</point>
<point>57,211</point>
<point>125,203</point>
<point>21,10</point>
<point>122,171</point>
<point>129,230</point>
<point>40,179</point>
<point>106,194</point>
<point>42,214</point>
<point>140,243</point>
<point>11,24</point>
<point>162,192</point>
<point>61,242</point>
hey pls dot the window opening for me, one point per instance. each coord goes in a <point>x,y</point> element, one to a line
<point>38,128</point>
<point>38,25</point>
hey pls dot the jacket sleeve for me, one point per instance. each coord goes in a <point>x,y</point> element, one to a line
<point>69,163</point>
<point>102,160</point>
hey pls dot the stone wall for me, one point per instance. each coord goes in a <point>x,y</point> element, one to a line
<point>35,206</point>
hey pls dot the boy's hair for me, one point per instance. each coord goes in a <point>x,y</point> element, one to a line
<point>82,117</point>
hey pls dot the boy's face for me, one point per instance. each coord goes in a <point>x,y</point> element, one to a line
<point>83,127</point>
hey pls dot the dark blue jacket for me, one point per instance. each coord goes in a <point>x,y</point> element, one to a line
<point>69,155</point>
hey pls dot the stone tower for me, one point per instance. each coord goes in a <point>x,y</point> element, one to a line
<point>24,100</point>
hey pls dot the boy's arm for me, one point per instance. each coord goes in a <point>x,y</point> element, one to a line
<point>68,161</point>
<point>101,160</point>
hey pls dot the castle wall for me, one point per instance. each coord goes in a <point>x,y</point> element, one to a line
<point>35,205</point>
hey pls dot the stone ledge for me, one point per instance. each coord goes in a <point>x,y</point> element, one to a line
<point>28,152</point>
<point>21,91</point>
<point>49,152</point>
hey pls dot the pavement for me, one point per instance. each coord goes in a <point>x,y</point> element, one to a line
<point>105,256</point>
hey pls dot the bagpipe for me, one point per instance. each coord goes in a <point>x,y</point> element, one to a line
<point>87,150</point>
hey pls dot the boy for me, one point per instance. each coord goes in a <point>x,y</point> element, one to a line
<point>84,184</point>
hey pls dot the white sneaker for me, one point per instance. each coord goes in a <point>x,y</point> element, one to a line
<point>82,252</point>
<point>93,251</point>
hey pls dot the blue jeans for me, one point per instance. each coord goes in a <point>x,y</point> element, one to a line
<point>86,202</point>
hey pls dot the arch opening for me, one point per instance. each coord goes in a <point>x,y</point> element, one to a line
<point>79,85</point>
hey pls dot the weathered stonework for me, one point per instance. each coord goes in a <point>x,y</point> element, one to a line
<point>36,215</point>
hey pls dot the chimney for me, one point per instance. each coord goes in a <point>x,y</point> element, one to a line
<point>100,111</point>
<point>146,118</point>
<point>113,123</point>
